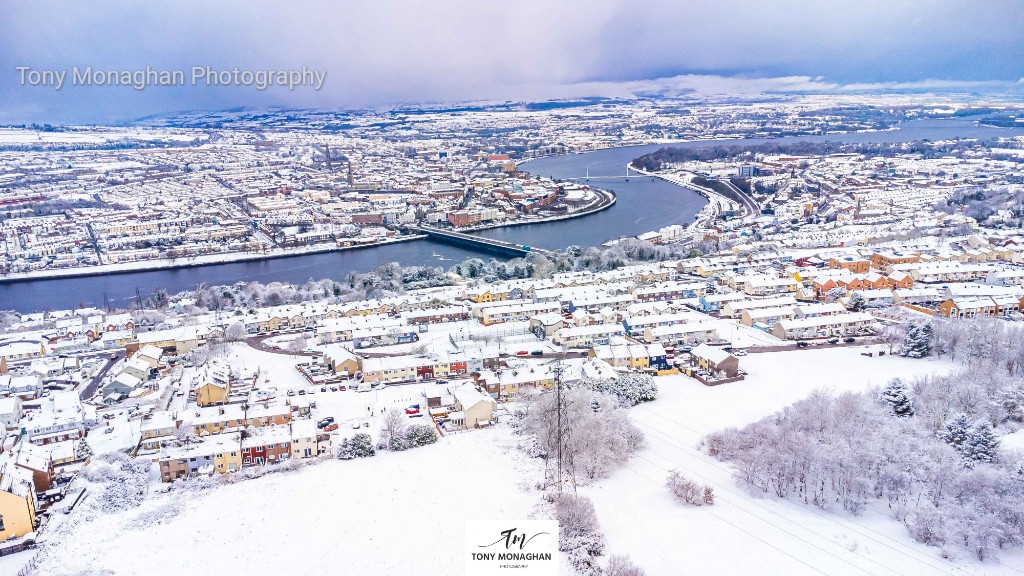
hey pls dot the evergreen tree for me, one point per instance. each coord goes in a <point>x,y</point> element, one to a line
<point>362,446</point>
<point>918,341</point>
<point>957,432</point>
<point>856,302</point>
<point>896,397</point>
<point>83,451</point>
<point>345,451</point>
<point>981,444</point>
<point>595,405</point>
<point>420,435</point>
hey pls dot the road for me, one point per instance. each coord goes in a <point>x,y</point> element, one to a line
<point>258,343</point>
<point>749,204</point>
<point>91,387</point>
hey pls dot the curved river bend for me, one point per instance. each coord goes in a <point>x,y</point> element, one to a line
<point>643,204</point>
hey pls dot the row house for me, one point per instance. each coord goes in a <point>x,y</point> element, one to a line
<point>158,428</point>
<point>213,454</point>
<point>516,312</point>
<point>587,336</point>
<point>735,308</point>
<point>848,324</point>
<point>884,261</point>
<point>819,309</point>
<point>766,285</point>
<point>632,356</point>
<point>670,291</point>
<point>980,306</point>
<point>691,333</point>
<point>436,315</point>
<point>343,329</point>
<point>917,296</point>
<point>714,302</point>
<point>265,414</point>
<point>636,325</point>
<point>765,318</point>
<point>267,445</point>
<point>368,337</point>
<point>597,302</point>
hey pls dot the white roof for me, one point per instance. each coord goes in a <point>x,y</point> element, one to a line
<point>712,353</point>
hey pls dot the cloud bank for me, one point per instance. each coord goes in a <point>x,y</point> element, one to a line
<point>401,51</point>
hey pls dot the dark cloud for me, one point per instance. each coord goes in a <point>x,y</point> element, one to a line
<point>395,51</point>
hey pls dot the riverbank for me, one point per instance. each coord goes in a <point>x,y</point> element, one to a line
<point>193,262</point>
<point>712,196</point>
<point>608,200</point>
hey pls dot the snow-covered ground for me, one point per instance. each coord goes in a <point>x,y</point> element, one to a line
<point>742,533</point>
<point>402,513</point>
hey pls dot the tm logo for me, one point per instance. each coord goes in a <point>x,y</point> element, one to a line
<point>510,538</point>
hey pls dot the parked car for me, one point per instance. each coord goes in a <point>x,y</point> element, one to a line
<point>521,353</point>
<point>291,392</point>
<point>366,423</point>
<point>325,422</point>
<point>802,344</point>
<point>440,381</point>
<point>355,424</point>
<point>342,388</point>
<point>833,340</point>
<point>739,352</point>
<point>536,352</point>
<point>323,388</point>
<point>335,388</point>
<point>302,392</point>
<point>413,410</point>
<point>330,428</point>
<point>849,339</point>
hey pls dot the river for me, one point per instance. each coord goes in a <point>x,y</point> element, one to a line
<point>643,204</point>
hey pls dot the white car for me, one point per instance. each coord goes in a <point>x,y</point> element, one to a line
<point>740,352</point>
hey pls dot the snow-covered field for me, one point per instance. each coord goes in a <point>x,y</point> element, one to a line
<point>742,533</point>
<point>401,513</point>
<point>405,513</point>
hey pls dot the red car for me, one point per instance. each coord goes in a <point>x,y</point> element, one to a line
<point>522,353</point>
<point>331,427</point>
<point>413,410</point>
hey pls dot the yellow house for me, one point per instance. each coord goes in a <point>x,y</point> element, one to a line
<point>228,459</point>
<point>17,502</point>
<point>342,360</point>
<point>214,391</point>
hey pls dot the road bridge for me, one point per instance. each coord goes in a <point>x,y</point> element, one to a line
<point>496,246</point>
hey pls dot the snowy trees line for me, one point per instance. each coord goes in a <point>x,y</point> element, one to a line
<point>359,446</point>
<point>594,442</point>
<point>687,490</point>
<point>396,434</point>
<point>927,450</point>
<point>580,537</point>
<point>122,481</point>
<point>630,388</point>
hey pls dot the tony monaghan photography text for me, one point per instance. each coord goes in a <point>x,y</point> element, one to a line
<point>142,78</point>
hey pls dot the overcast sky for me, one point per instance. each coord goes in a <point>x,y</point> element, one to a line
<point>383,52</point>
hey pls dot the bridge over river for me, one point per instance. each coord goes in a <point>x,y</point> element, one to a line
<point>478,242</point>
